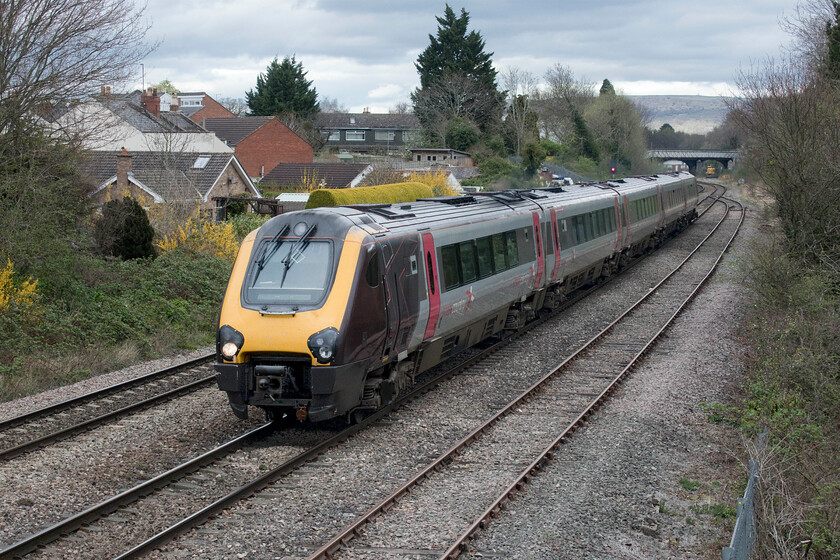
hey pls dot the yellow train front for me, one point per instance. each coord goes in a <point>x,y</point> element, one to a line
<point>281,345</point>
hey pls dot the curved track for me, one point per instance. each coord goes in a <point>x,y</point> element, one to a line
<point>188,477</point>
<point>528,431</point>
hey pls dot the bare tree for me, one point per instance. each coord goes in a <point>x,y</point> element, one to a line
<point>454,95</point>
<point>557,103</point>
<point>792,117</point>
<point>236,105</point>
<point>617,127</point>
<point>520,86</point>
<point>332,105</point>
<point>401,108</point>
<point>57,50</point>
<point>807,27</point>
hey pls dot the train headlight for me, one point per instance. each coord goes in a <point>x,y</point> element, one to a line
<point>322,345</point>
<point>230,342</point>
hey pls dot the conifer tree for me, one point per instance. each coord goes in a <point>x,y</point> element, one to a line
<point>831,64</point>
<point>457,78</point>
<point>283,90</point>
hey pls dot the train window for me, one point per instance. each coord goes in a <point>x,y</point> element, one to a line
<point>612,221</point>
<point>602,223</point>
<point>499,259</point>
<point>590,233</point>
<point>484,248</point>
<point>297,275</point>
<point>449,260</point>
<point>468,266</point>
<point>580,230</point>
<point>372,270</point>
<point>512,249</point>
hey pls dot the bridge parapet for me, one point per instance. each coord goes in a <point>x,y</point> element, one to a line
<point>694,157</point>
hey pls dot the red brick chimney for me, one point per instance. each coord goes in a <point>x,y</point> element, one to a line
<point>151,101</point>
<point>123,167</point>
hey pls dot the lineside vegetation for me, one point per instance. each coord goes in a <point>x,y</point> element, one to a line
<point>790,112</point>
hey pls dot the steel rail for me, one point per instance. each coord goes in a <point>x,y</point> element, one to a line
<point>350,531</point>
<point>99,393</point>
<point>537,465</point>
<point>97,511</point>
<point>58,435</point>
<point>74,522</point>
<point>86,517</point>
<point>296,462</point>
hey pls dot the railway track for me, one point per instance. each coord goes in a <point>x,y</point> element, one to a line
<point>62,420</point>
<point>512,446</point>
<point>217,479</point>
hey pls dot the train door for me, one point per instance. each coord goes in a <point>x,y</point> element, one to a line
<point>404,288</point>
<point>389,287</point>
<point>540,252</point>
<point>432,284</point>
<point>625,221</point>
<point>618,224</point>
<point>555,238</point>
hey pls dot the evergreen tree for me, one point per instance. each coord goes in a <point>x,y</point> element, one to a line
<point>124,230</point>
<point>831,64</point>
<point>283,90</point>
<point>606,88</point>
<point>586,144</point>
<point>457,78</point>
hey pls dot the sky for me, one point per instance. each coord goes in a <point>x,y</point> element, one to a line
<point>362,52</point>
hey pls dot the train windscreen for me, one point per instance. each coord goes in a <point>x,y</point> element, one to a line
<point>293,273</point>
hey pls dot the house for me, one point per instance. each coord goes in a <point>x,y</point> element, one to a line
<point>165,177</point>
<point>316,175</point>
<point>260,143</point>
<point>136,121</point>
<point>444,156</point>
<point>198,106</point>
<point>368,132</point>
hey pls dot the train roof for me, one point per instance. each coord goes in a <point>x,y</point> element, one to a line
<point>430,212</point>
<point>436,212</point>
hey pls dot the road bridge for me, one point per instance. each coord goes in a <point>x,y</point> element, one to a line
<point>694,158</point>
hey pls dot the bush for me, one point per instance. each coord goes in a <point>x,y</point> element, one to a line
<point>110,314</point>
<point>461,134</point>
<point>437,180</point>
<point>793,332</point>
<point>384,194</point>
<point>201,237</point>
<point>124,230</point>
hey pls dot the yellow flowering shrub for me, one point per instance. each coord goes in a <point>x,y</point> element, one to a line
<point>22,295</point>
<point>436,180</point>
<point>211,238</point>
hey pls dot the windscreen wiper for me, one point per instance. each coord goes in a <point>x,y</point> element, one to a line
<point>296,249</point>
<point>267,253</point>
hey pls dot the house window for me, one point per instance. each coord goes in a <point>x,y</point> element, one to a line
<point>352,120</point>
<point>335,136</point>
<point>409,136</point>
<point>384,135</point>
<point>201,162</point>
<point>355,135</point>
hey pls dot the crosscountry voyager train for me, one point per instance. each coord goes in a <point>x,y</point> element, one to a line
<point>331,312</point>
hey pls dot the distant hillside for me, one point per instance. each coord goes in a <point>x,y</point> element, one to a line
<point>686,113</point>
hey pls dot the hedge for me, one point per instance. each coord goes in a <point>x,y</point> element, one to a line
<point>380,194</point>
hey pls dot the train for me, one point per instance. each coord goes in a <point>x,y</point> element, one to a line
<point>330,313</point>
